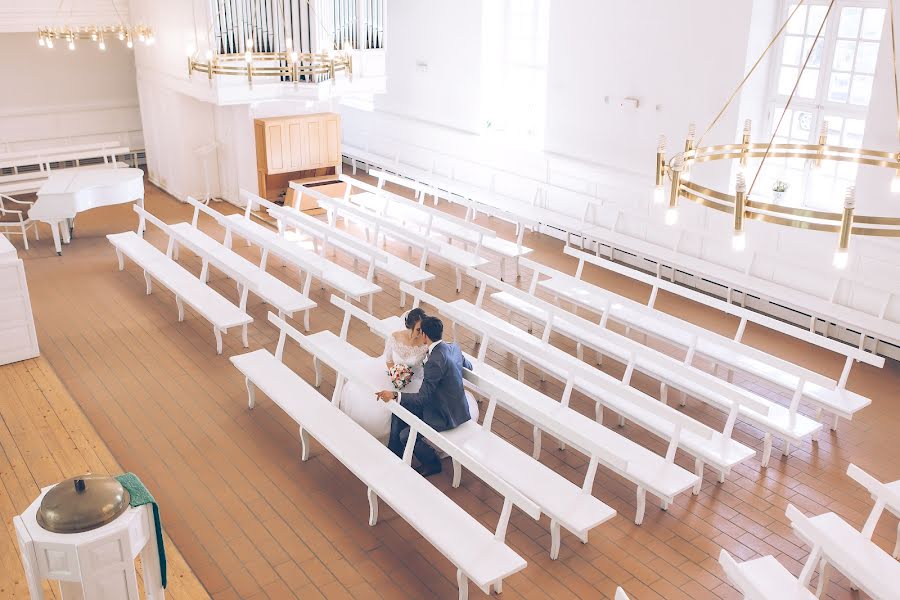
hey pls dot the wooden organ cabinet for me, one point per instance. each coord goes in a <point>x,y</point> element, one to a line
<point>303,148</point>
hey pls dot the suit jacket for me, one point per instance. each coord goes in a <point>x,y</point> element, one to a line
<point>441,399</point>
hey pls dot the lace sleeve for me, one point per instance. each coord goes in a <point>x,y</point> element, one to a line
<point>389,345</point>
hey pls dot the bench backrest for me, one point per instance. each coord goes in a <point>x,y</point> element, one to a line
<point>511,495</point>
<point>746,315</point>
<point>635,349</point>
<point>884,496</point>
<point>735,575</point>
<point>620,594</point>
<point>565,367</point>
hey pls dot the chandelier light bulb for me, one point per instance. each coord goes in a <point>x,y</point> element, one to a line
<point>748,124</point>
<point>841,259</point>
<point>129,43</point>
<point>121,35</point>
<point>671,216</point>
<point>49,43</point>
<point>692,131</point>
<point>850,197</point>
<point>93,36</point>
<point>141,37</point>
<point>71,44</point>
<point>41,41</point>
<point>739,241</point>
<point>895,182</point>
<point>659,194</point>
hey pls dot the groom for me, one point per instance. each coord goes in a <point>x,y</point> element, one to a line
<point>440,401</point>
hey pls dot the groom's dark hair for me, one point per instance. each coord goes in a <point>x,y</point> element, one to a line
<point>433,328</point>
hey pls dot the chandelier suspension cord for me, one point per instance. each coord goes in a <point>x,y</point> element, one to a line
<point>118,14</point>
<point>791,97</point>
<point>894,64</point>
<point>752,69</point>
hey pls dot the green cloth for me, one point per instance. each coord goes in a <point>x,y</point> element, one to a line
<point>140,496</point>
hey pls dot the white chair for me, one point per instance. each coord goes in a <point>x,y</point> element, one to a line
<point>15,221</point>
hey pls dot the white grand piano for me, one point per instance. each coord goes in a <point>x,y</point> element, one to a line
<point>67,193</point>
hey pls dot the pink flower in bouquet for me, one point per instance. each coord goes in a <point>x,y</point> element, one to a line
<point>400,375</point>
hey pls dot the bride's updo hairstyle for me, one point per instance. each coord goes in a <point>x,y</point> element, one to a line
<point>413,317</point>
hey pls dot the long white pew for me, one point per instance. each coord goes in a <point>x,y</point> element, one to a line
<point>505,249</point>
<point>707,445</point>
<point>477,553</point>
<point>650,472</point>
<point>305,260</point>
<point>248,276</point>
<point>187,289</point>
<point>835,543</point>
<point>460,259</point>
<point>826,394</point>
<point>568,505</point>
<point>384,263</point>
<point>817,307</point>
<point>763,578</point>
<point>772,418</point>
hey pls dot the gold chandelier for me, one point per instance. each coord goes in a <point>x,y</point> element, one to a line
<point>288,65</point>
<point>48,36</point>
<point>740,204</point>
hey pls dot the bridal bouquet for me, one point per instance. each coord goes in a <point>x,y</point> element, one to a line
<point>400,375</point>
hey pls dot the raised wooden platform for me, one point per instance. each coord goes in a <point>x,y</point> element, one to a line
<point>44,438</point>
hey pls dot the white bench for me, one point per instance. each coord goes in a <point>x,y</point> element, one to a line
<point>836,543</point>
<point>248,276</point>
<point>187,289</point>
<point>771,417</point>
<point>763,578</point>
<point>478,554</point>
<point>568,505</point>
<point>382,262</point>
<point>450,225</point>
<point>649,471</point>
<point>705,444</point>
<point>376,225</point>
<point>306,261</point>
<point>826,394</point>
<point>801,301</point>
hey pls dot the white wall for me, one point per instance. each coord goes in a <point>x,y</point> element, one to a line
<point>447,37</point>
<point>62,96</point>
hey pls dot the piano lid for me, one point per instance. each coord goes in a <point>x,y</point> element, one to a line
<point>71,191</point>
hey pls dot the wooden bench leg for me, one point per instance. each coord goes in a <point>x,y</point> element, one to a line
<point>457,473</point>
<point>306,319</point>
<point>621,420</point>
<point>698,471</point>
<point>463,582</point>
<point>373,507</point>
<point>458,280</point>
<point>663,504</point>
<point>371,304</point>
<point>180,304</point>
<point>304,445</point>
<point>218,334</point>
<point>502,268</point>
<point>579,351</point>
<point>149,284</point>
<point>663,393</point>
<point>641,506</point>
<point>244,336</point>
<point>318,373</point>
<point>520,369</point>
<point>786,448</point>
<point>683,398</point>
<point>402,299</point>
<point>767,450</point>
<point>251,393</point>
<point>598,412</point>
<point>555,539</point>
<point>536,454</point>
<point>120,257</point>
<point>834,423</point>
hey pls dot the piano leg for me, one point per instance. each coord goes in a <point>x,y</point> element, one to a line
<point>54,229</point>
<point>65,232</point>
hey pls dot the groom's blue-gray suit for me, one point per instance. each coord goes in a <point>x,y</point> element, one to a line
<point>440,402</point>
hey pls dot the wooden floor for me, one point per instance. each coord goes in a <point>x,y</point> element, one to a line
<point>253,522</point>
<point>45,437</point>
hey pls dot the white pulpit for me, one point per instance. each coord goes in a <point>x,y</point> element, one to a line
<point>93,565</point>
<point>18,340</point>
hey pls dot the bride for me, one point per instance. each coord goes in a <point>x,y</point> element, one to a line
<point>406,346</point>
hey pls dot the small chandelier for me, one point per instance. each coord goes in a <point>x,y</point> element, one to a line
<point>741,206</point>
<point>48,37</point>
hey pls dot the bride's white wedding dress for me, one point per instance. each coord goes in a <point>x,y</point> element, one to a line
<point>358,400</point>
